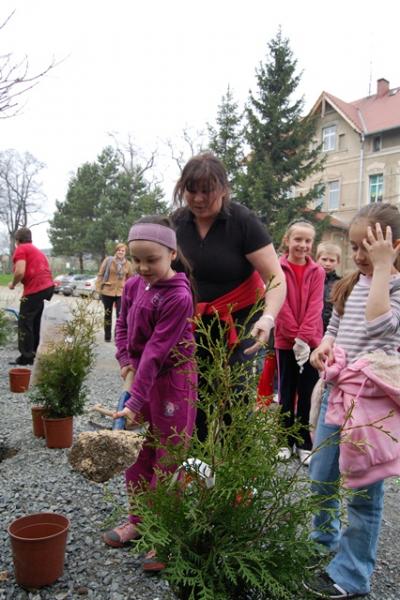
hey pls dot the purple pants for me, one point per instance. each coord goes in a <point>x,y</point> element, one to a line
<point>171,408</point>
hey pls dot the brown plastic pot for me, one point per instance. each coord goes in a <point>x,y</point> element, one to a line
<point>37,421</point>
<point>58,432</point>
<point>19,379</point>
<point>38,547</point>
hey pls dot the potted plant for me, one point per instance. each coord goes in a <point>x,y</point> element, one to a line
<point>62,372</point>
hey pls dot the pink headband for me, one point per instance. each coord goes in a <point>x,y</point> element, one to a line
<point>153,232</point>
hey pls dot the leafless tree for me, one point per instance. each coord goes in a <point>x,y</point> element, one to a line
<point>192,142</point>
<point>20,191</point>
<point>16,80</point>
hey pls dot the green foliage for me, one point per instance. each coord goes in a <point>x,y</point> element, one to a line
<point>249,533</point>
<point>63,370</point>
<point>104,198</point>
<point>227,140</point>
<point>5,328</point>
<point>283,149</point>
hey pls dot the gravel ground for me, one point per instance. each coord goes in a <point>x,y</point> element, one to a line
<point>37,479</point>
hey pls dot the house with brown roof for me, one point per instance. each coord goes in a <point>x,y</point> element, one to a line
<point>361,142</point>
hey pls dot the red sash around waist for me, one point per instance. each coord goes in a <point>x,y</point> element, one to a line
<point>246,294</point>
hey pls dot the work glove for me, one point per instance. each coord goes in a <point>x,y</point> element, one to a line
<point>301,352</point>
<point>261,331</point>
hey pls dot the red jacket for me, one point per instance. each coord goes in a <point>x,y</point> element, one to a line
<point>301,314</point>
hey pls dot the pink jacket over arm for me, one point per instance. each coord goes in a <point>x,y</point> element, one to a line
<point>364,392</point>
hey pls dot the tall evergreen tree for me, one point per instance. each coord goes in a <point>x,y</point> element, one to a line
<point>283,149</point>
<point>103,199</point>
<point>227,139</point>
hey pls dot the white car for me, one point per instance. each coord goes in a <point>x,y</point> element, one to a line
<point>86,287</point>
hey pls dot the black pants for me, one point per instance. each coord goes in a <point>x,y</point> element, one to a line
<point>108,302</point>
<point>295,385</point>
<point>237,357</point>
<point>30,314</point>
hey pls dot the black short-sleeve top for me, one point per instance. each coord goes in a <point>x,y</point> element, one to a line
<point>219,260</point>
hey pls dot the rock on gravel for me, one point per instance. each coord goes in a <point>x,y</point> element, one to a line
<point>100,455</point>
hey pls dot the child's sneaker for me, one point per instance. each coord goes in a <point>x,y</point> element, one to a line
<point>121,535</point>
<point>323,586</point>
<point>151,564</point>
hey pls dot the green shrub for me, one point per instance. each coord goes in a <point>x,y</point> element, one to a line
<point>247,536</point>
<point>63,370</point>
<point>5,328</point>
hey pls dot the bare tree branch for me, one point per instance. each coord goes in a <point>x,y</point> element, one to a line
<point>15,80</point>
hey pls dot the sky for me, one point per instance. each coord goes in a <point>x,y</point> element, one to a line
<point>150,68</point>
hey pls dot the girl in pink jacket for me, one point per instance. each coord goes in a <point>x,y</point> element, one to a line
<point>359,354</point>
<point>298,330</point>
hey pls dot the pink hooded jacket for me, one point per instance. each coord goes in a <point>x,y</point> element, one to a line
<point>366,392</point>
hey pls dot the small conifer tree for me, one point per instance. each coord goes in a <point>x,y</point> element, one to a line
<point>233,521</point>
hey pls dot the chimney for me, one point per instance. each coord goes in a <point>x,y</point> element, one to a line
<point>382,86</point>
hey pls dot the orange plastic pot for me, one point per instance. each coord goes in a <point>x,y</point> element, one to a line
<point>37,421</point>
<point>58,432</point>
<point>19,379</point>
<point>38,547</point>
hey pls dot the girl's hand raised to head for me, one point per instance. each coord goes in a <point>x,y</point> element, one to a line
<point>322,355</point>
<point>380,247</point>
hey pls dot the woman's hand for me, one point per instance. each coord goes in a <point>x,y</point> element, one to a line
<point>323,354</point>
<point>261,331</point>
<point>380,248</point>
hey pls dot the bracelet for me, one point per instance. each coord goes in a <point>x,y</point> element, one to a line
<point>268,316</point>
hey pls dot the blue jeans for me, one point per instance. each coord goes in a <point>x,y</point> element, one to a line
<point>355,546</point>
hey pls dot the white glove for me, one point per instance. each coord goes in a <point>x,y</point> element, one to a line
<point>261,331</point>
<point>301,352</point>
<point>262,328</point>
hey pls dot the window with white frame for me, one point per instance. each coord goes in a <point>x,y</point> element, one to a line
<point>320,196</point>
<point>376,188</point>
<point>329,138</point>
<point>333,195</point>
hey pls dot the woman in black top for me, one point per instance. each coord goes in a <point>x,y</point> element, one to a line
<point>227,246</point>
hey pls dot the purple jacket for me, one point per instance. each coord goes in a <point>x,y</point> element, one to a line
<point>152,324</point>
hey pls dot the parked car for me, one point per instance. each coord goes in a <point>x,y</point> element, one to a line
<point>67,287</point>
<point>59,281</point>
<point>86,287</point>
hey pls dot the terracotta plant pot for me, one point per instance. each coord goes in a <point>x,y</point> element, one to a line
<point>37,421</point>
<point>58,432</point>
<point>38,546</point>
<point>19,379</point>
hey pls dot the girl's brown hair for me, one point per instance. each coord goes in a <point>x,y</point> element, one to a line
<point>205,172</point>
<point>180,257</point>
<point>387,215</point>
<point>283,249</point>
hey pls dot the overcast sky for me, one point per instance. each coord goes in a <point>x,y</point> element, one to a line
<point>149,68</point>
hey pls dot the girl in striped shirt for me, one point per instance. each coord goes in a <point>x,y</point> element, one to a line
<point>366,319</point>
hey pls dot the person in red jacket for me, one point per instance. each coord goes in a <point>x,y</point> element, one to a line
<point>31,268</point>
<point>298,330</point>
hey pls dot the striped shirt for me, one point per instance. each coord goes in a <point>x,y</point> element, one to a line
<point>355,334</point>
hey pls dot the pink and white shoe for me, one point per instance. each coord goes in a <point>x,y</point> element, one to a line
<point>121,535</point>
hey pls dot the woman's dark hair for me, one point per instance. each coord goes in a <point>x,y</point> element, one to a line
<point>203,172</point>
<point>23,236</point>
<point>181,263</point>
<point>387,215</point>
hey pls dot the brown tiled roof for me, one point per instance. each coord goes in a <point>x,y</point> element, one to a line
<point>368,115</point>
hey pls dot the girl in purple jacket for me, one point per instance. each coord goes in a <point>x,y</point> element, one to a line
<point>298,329</point>
<point>154,336</point>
